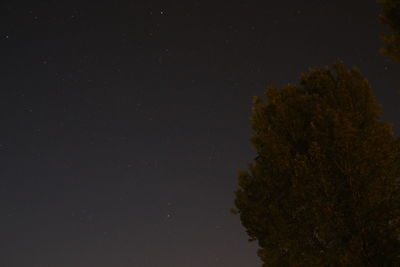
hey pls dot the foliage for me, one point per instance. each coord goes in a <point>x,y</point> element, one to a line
<point>322,190</point>
<point>391,16</point>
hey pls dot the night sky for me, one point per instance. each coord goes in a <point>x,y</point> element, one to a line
<point>123,123</point>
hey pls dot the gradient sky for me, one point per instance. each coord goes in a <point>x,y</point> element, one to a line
<point>124,122</point>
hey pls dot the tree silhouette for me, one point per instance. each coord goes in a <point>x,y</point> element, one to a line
<point>391,16</point>
<point>323,189</point>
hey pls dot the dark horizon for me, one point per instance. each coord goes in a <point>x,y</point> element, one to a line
<point>124,124</point>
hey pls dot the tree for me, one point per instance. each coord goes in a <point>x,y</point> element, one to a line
<point>323,189</point>
<point>391,16</point>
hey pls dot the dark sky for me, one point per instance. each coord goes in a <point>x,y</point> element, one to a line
<point>124,122</point>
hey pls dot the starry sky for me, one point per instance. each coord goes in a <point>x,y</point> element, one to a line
<point>123,123</point>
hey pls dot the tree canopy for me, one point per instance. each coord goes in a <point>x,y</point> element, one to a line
<point>391,16</point>
<point>323,189</point>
